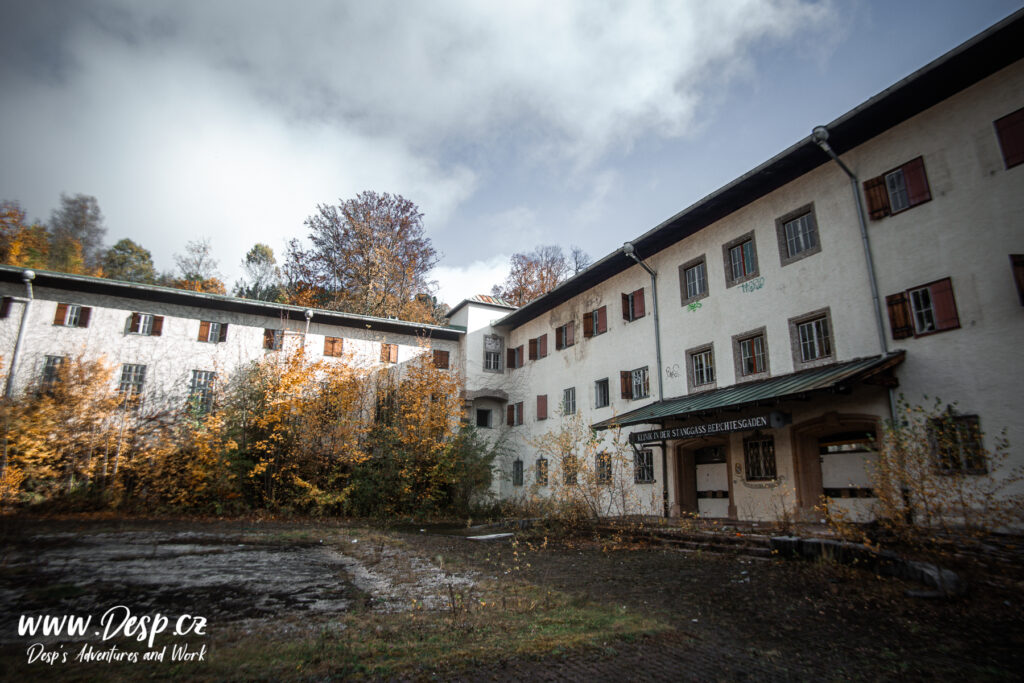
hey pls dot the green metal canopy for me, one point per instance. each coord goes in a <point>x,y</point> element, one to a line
<point>794,385</point>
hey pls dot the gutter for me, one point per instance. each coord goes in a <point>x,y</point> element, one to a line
<point>630,251</point>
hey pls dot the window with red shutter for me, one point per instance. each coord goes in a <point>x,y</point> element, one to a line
<point>511,415</point>
<point>533,349</point>
<point>944,305</point>
<point>588,325</point>
<point>333,346</point>
<point>602,320</point>
<point>918,191</point>
<point>897,190</point>
<point>542,407</point>
<point>204,331</point>
<point>440,360</point>
<point>543,345</point>
<point>877,198</point>
<point>60,315</point>
<point>158,325</point>
<point>899,316</point>
<point>1010,131</point>
<point>638,304</point>
<point>626,383</point>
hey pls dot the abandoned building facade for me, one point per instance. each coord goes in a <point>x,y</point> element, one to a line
<point>748,348</point>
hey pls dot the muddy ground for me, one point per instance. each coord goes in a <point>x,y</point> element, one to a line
<point>726,617</point>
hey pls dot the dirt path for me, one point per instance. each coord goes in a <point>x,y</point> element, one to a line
<point>727,617</point>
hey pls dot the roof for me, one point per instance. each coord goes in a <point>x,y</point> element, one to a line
<point>484,299</point>
<point>750,393</point>
<point>220,302</point>
<point>965,65</point>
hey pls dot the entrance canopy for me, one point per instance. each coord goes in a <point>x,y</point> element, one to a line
<point>797,385</point>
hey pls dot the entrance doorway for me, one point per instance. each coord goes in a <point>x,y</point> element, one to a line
<point>831,456</point>
<point>702,479</point>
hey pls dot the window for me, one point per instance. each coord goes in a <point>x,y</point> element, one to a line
<point>601,393</point>
<point>740,257</point>
<point>441,359</point>
<point>51,372</point>
<point>643,466</point>
<point>759,457</point>
<point>542,407</point>
<point>693,280</point>
<point>1010,131</point>
<point>955,442</point>
<point>213,332</point>
<point>542,472</point>
<point>273,339</point>
<point>633,305</point>
<point>146,324</point>
<point>492,353</point>
<point>897,190</point>
<point>634,383</point>
<point>483,418</point>
<point>750,353</point>
<point>810,337</point>
<point>334,346</point>
<point>389,353</point>
<point>132,379</point>
<point>923,310</point>
<point>515,414</point>
<point>595,322</point>
<point>565,336</point>
<point>201,390</point>
<point>701,366</point>
<point>517,473</point>
<point>72,315</point>
<point>1017,263</point>
<point>603,468</point>
<point>538,347</point>
<point>515,358</point>
<point>570,468</point>
<point>569,401</point>
<point>797,234</point>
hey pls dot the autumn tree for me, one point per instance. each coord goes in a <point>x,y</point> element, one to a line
<point>262,277</point>
<point>535,273</point>
<point>197,269</point>
<point>129,262</point>
<point>22,244</point>
<point>369,255</point>
<point>76,234</point>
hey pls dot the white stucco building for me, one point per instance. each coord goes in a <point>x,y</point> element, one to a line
<point>751,345</point>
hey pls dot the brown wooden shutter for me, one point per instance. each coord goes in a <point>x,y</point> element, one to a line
<point>626,312</point>
<point>542,407</point>
<point>223,332</point>
<point>917,182</point>
<point>533,349</point>
<point>5,307</point>
<point>85,313</point>
<point>510,359</point>
<point>441,360</point>
<point>394,353</point>
<point>519,413</point>
<point>944,304</point>
<point>543,351</point>
<point>602,320</point>
<point>570,333</point>
<point>1010,131</point>
<point>61,315</point>
<point>158,325</point>
<point>900,322</point>
<point>268,339</point>
<point>135,323</point>
<point>588,325</point>
<point>638,304</point>
<point>1016,262</point>
<point>877,197</point>
<point>204,331</point>
<point>511,415</point>
<point>626,383</point>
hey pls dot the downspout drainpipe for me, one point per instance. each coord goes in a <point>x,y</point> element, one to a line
<point>26,276</point>
<point>820,137</point>
<point>629,250</point>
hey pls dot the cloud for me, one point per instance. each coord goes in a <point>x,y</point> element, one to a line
<point>456,283</point>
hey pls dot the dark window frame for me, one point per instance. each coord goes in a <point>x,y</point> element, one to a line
<point>755,270</point>
<point>684,291</point>
<point>783,239</point>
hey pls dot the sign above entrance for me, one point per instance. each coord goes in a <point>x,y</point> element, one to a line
<point>708,429</point>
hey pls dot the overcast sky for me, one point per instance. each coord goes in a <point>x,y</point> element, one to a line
<point>510,124</point>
